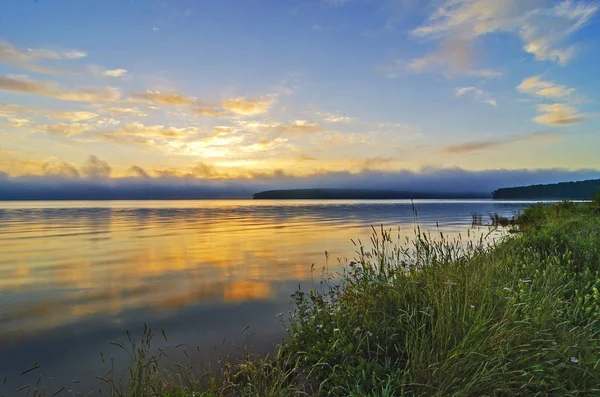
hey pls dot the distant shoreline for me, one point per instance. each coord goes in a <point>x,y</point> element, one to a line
<point>361,194</point>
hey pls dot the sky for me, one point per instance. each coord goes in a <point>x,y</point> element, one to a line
<point>299,93</point>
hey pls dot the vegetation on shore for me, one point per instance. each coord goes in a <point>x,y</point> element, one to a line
<point>361,194</point>
<point>439,318</point>
<point>581,190</point>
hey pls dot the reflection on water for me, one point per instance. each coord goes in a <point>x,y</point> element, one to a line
<point>89,269</point>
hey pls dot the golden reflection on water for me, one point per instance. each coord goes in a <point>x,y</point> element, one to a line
<point>62,263</point>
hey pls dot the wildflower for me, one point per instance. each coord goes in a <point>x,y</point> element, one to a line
<point>528,281</point>
<point>336,330</point>
<point>574,360</point>
<point>506,289</point>
<point>370,334</point>
<point>472,306</point>
<point>320,326</point>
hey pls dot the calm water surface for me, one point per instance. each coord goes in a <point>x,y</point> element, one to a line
<point>75,275</point>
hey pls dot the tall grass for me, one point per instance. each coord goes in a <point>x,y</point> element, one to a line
<point>438,318</point>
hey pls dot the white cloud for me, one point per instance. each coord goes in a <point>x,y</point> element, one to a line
<point>559,114</point>
<point>18,121</point>
<point>72,116</point>
<point>548,89</point>
<point>335,118</point>
<point>7,51</point>
<point>64,129</point>
<point>166,98</point>
<point>60,169</point>
<point>27,58</point>
<point>94,168</point>
<point>478,94</point>
<point>543,31</point>
<point>247,106</point>
<point>115,72</point>
<point>12,110</point>
<point>81,94</point>
<point>555,114</point>
<point>127,111</point>
<point>454,57</point>
<point>157,130</point>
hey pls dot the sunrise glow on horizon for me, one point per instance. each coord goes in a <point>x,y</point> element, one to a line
<point>239,90</point>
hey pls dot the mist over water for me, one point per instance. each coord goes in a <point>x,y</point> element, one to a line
<point>428,180</point>
<point>75,275</point>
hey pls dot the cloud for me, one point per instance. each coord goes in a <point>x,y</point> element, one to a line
<point>174,184</point>
<point>115,73</point>
<point>29,59</point>
<point>166,98</point>
<point>455,56</point>
<point>60,169</point>
<point>490,144</point>
<point>548,89</point>
<point>10,110</point>
<point>247,107</point>
<point>555,114</point>
<point>204,171</point>
<point>7,51</point>
<point>559,114</point>
<point>94,168</point>
<point>26,58</point>
<point>18,122</point>
<point>458,23</point>
<point>273,126</point>
<point>299,126</point>
<point>478,94</point>
<point>238,106</point>
<point>334,118</point>
<point>153,131</point>
<point>209,112</point>
<point>50,89</point>
<point>222,130</point>
<point>72,116</point>
<point>138,172</point>
<point>127,111</point>
<point>63,129</point>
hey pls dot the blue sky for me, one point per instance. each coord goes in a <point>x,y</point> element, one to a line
<point>243,89</point>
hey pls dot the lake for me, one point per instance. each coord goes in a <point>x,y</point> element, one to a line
<point>75,275</point>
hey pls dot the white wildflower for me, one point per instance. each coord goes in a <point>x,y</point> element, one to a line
<point>574,360</point>
<point>528,281</point>
<point>336,330</point>
<point>506,289</point>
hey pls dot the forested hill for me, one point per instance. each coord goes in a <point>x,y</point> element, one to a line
<point>583,190</point>
<point>358,194</point>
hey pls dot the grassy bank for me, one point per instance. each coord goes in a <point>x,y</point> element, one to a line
<point>441,318</point>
